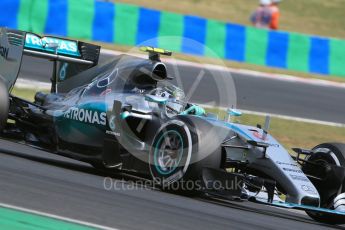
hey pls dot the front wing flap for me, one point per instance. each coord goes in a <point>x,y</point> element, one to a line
<point>336,216</point>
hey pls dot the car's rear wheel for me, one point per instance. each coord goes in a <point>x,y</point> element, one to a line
<point>4,105</point>
<point>332,187</point>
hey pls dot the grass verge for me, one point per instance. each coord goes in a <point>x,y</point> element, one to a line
<point>298,134</point>
<point>28,94</point>
<point>292,133</point>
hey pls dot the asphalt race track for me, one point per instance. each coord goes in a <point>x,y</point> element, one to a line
<point>295,99</point>
<point>44,182</point>
<point>56,185</point>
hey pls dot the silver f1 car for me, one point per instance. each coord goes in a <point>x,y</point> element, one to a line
<point>126,115</point>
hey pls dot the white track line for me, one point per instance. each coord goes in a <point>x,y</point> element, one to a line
<point>299,119</point>
<point>31,84</point>
<point>251,73</point>
<point>35,85</point>
<point>290,118</point>
<point>31,211</point>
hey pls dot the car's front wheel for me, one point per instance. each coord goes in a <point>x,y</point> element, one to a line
<point>331,183</point>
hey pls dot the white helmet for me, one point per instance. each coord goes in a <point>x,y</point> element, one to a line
<point>265,2</point>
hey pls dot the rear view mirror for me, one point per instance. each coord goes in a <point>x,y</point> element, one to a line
<point>233,113</point>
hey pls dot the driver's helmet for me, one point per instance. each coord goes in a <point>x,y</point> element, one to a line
<point>177,99</point>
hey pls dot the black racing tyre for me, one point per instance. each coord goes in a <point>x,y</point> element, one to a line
<point>173,158</point>
<point>4,105</point>
<point>333,154</point>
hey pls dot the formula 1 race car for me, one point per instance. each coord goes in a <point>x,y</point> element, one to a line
<point>125,115</point>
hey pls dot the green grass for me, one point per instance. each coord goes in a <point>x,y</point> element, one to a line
<point>293,133</point>
<point>27,94</point>
<point>298,134</point>
<point>288,133</point>
<point>319,17</point>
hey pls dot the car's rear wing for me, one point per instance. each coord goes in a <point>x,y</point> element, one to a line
<point>77,56</point>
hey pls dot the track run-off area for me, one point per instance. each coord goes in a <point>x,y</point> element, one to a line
<point>42,185</point>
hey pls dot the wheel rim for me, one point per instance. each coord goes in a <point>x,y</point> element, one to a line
<point>333,159</point>
<point>168,152</point>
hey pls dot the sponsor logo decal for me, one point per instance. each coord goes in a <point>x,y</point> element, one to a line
<point>259,135</point>
<point>300,178</point>
<point>174,177</point>
<point>65,46</point>
<point>308,189</point>
<point>113,133</point>
<point>288,164</point>
<point>112,125</point>
<point>63,70</point>
<point>293,170</point>
<point>274,145</point>
<point>86,116</point>
<point>245,155</point>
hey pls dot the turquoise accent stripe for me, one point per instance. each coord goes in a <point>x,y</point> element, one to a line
<point>305,207</point>
<point>238,130</point>
<point>155,155</point>
<point>230,126</point>
<point>99,106</point>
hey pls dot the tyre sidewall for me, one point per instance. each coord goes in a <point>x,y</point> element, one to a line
<point>333,153</point>
<point>164,178</point>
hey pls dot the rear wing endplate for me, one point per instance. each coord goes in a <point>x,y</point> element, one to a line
<point>15,43</point>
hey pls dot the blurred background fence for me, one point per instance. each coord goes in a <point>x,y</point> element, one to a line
<point>131,25</point>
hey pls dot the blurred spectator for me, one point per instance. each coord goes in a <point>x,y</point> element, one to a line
<point>262,16</point>
<point>274,25</point>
